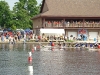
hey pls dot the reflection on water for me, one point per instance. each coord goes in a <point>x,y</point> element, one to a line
<point>14,61</point>
<point>30,69</point>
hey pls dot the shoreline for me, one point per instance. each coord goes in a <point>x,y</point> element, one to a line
<point>21,42</point>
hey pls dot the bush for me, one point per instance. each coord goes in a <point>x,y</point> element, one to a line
<point>69,41</point>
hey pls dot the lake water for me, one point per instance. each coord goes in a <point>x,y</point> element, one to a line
<point>14,61</point>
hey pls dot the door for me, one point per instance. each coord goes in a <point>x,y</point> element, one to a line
<point>93,35</point>
<point>73,34</point>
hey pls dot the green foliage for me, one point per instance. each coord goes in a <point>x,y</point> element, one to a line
<point>20,16</point>
<point>69,40</point>
<point>24,10</point>
<point>13,27</point>
<point>5,14</point>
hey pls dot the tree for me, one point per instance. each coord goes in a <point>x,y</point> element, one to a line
<point>5,14</point>
<point>23,11</point>
<point>13,27</point>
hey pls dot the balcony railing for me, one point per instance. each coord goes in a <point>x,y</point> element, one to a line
<point>88,25</point>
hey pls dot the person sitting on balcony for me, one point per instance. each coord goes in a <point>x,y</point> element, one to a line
<point>65,23</point>
<point>62,23</point>
<point>93,24</point>
<point>90,23</point>
<point>73,24</point>
<point>54,23</point>
<point>85,24</point>
<point>68,23</point>
<point>78,23</point>
<point>49,24</point>
<point>59,24</point>
<point>96,24</point>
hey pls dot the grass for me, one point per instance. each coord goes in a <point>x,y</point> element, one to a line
<point>70,41</point>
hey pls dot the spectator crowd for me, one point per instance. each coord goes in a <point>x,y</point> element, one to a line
<point>63,23</point>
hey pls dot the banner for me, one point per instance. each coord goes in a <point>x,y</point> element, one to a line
<point>82,34</point>
<point>82,31</point>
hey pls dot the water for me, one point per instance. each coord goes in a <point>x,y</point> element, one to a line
<point>14,61</point>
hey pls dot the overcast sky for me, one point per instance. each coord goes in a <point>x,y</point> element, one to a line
<point>11,2</point>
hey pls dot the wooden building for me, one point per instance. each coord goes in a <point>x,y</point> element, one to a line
<point>74,16</point>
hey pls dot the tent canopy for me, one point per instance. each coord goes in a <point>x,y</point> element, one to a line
<point>52,31</point>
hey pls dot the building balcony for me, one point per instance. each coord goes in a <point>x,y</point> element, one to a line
<point>77,26</point>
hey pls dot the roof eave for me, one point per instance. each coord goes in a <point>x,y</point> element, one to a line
<point>70,16</point>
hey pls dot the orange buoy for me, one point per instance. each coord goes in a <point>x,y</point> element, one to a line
<point>32,50</point>
<point>38,47</point>
<point>30,57</point>
<point>99,46</point>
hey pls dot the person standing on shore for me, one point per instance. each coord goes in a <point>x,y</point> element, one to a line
<point>9,39</point>
<point>2,38</point>
<point>16,38</point>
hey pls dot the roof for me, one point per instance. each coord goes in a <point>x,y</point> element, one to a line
<point>71,8</point>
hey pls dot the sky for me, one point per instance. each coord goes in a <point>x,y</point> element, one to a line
<point>11,2</point>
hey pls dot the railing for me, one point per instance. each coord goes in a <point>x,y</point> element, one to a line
<point>74,25</point>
